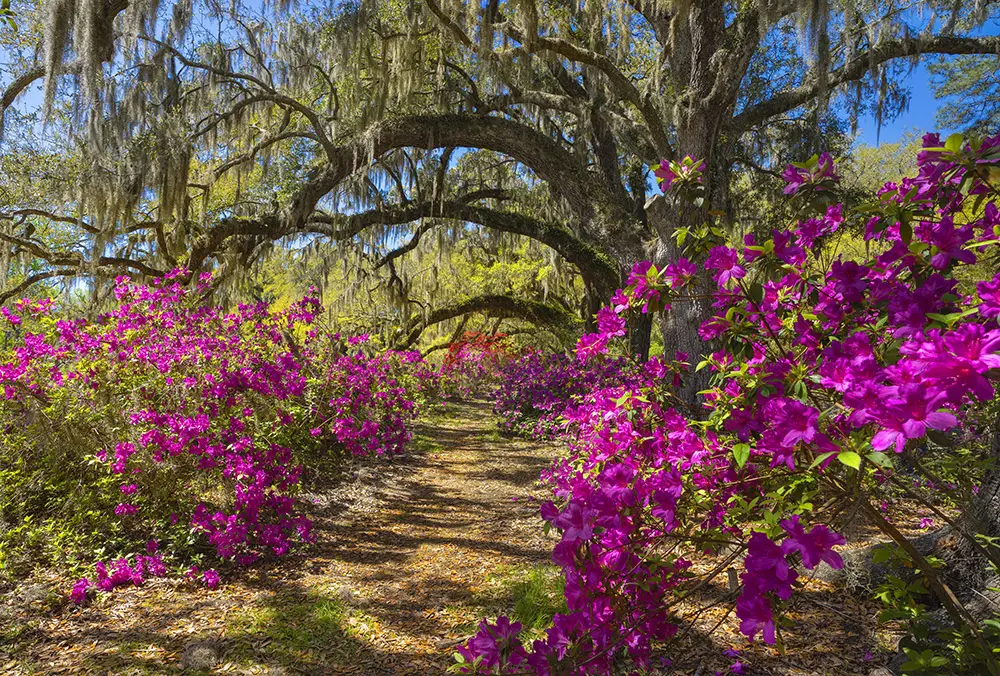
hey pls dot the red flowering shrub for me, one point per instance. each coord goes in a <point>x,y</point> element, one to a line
<point>470,367</point>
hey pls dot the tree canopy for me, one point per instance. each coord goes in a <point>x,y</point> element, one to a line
<point>202,135</point>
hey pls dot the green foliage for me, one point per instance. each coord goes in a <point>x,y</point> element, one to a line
<point>451,264</point>
<point>970,88</point>
<point>867,168</point>
<point>7,14</point>
<point>531,595</point>
<point>930,645</point>
<point>538,597</point>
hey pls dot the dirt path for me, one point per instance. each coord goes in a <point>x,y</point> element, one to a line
<point>408,556</point>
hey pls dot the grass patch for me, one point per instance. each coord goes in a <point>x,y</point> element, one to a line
<point>424,444</point>
<point>531,595</point>
<point>436,413</point>
<point>538,597</point>
<point>496,435</point>
<point>296,630</point>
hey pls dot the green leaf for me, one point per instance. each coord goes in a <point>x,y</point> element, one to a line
<point>881,459</point>
<point>954,143</point>
<point>906,232</point>
<point>820,459</point>
<point>741,453</point>
<point>850,458</point>
<point>881,554</point>
<point>944,319</point>
<point>941,439</point>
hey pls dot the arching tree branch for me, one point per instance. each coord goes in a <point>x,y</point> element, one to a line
<point>858,67</point>
<point>31,280</point>
<point>599,212</point>
<point>493,306</point>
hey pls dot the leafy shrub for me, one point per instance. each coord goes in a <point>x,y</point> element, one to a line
<point>825,372</point>
<point>536,387</point>
<point>171,421</point>
<point>472,363</point>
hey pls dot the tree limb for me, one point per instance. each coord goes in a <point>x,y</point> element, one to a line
<point>494,306</point>
<point>35,279</point>
<point>584,192</point>
<point>858,67</point>
<point>620,83</point>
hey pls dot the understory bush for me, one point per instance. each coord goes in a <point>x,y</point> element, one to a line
<point>830,376</point>
<point>167,426</point>
<point>472,363</point>
<point>535,388</point>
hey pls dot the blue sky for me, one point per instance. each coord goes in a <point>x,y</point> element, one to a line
<point>923,105</point>
<point>919,116</point>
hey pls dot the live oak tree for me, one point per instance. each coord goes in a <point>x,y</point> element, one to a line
<point>203,142</point>
<point>970,86</point>
<point>479,281</point>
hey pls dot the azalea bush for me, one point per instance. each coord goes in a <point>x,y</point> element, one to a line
<point>471,365</point>
<point>831,378</point>
<point>167,424</point>
<point>535,389</point>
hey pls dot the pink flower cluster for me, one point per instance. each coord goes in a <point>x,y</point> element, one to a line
<point>818,367</point>
<point>121,573</point>
<point>535,389</point>
<point>374,406</point>
<point>198,409</point>
<point>768,571</point>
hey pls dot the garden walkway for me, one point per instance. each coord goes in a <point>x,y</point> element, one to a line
<point>409,555</point>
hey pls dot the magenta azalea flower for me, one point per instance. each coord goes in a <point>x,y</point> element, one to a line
<point>948,242</point>
<point>726,261</point>
<point>210,578</point>
<point>665,174</point>
<point>679,272</point>
<point>797,177</point>
<point>989,296</point>
<point>609,323</point>
<point>79,593</point>
<point>909,416</point>
<point>591,344</point>
<point>575,522</point>
<point>815,546</point>
<point>795,421</point>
